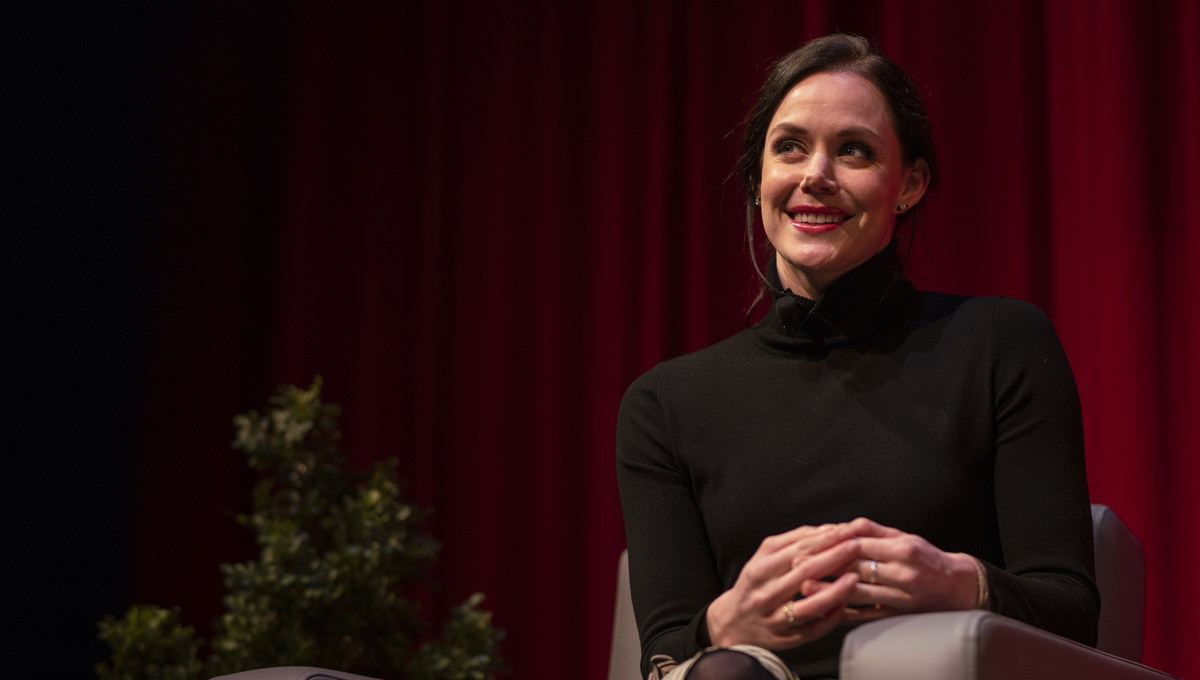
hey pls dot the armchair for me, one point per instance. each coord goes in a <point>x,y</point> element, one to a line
<point>975,645</point>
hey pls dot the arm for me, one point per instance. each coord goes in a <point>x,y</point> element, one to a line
<point>672,569</point>
<point>1041,484</point>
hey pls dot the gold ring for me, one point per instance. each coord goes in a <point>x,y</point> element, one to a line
<point>874,571</point>
<point>787,610</point>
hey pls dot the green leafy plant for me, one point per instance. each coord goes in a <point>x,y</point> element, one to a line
<point>337,557</point>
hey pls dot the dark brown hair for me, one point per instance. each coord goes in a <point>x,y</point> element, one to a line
<point>839,52</point>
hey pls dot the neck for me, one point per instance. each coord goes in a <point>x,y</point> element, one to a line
<point>849,307</point>
<point>802,282</point>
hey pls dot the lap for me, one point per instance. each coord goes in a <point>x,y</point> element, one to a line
<point>666,668</point>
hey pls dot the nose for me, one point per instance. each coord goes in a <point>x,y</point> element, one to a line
<point>818,176</point>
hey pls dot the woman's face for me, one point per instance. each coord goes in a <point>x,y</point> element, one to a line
<point>832,177</point>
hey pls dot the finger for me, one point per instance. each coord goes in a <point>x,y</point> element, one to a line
<point>873,572</point>
<point>833,561</point>
<point>828,601</point>
<point>867,570</point>
<point>863,614</point>
<point>809,546</point>
<point>813,586</point>
<point>772,560</point>
<point>863,528</point>
<point>766,566</point>
<point>879,572</point>
<point>865,595</point>
<point>789,539</point>
<point>816,616</point>
<point>902,549</point>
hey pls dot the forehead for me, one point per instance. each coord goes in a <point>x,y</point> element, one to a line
<point>835,100</point>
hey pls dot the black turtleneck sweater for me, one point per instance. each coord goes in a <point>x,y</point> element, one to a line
<point>953,418</point>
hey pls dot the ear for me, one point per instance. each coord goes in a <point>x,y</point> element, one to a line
<point>916,181</point>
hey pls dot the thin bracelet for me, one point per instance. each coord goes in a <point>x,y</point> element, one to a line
<point>981,584</point>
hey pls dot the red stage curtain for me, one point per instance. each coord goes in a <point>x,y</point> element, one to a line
<point>480,221</point>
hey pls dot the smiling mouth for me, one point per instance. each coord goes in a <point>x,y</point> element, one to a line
<point>818,218</point>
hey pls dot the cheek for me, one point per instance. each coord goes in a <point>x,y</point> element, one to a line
<point>876,197</point>
<point>776,176</point>
<point>768,183</point>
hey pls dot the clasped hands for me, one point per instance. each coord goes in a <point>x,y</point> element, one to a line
<point>782,599</point>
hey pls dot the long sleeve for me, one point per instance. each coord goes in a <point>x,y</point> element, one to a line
<point>1042,503</point>
<point>671,562</point>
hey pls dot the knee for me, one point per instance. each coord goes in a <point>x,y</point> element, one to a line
<point>727,664</point>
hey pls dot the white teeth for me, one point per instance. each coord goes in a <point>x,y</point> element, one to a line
<point>817,218</point>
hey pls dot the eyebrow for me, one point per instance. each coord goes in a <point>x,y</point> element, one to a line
<point>852,131</point>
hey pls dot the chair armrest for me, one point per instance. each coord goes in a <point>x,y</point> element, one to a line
<point>292,673</point>
<point>974,645</point>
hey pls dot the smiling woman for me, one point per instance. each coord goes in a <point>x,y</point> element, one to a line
<point>867,449</point>
<point>833,179</point>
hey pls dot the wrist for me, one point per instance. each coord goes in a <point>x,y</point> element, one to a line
<point>982,592</point>
<point>714,622</point>
<point>973,588</point>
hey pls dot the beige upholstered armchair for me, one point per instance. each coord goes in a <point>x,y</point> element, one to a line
<point>976,645</point>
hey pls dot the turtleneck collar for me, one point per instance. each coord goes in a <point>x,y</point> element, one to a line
<point>853,307</point>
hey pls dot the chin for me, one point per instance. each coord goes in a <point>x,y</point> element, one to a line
<point>812,259</point>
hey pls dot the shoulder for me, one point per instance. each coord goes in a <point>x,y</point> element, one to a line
<point>733,350</point>
<point>1019,337</point>
<point>1017,317</point>
<point>690,373</point>
<point>999,315</point>
<point>1024,336</point>
<point>1009,322</point>
<point>998,331</point>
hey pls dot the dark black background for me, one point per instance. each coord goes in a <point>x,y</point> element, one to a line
<point>84,119</point>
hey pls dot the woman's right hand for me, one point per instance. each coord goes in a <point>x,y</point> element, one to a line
<point>756,610</point>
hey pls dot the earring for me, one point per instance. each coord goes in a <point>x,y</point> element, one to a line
<point>902,207</point>
<point>758,200</point>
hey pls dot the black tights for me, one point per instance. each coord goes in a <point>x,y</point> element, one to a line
<point>727,664</point>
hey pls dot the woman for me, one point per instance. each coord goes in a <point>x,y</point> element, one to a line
<point>866,450</point>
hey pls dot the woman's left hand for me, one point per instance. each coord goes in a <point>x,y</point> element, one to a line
<point>903,573</point>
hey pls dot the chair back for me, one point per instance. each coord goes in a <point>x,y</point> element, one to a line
<point>625,658</point>
<point>1121,579</point>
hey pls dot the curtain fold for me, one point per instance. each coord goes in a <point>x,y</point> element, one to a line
<point>480,222</point>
